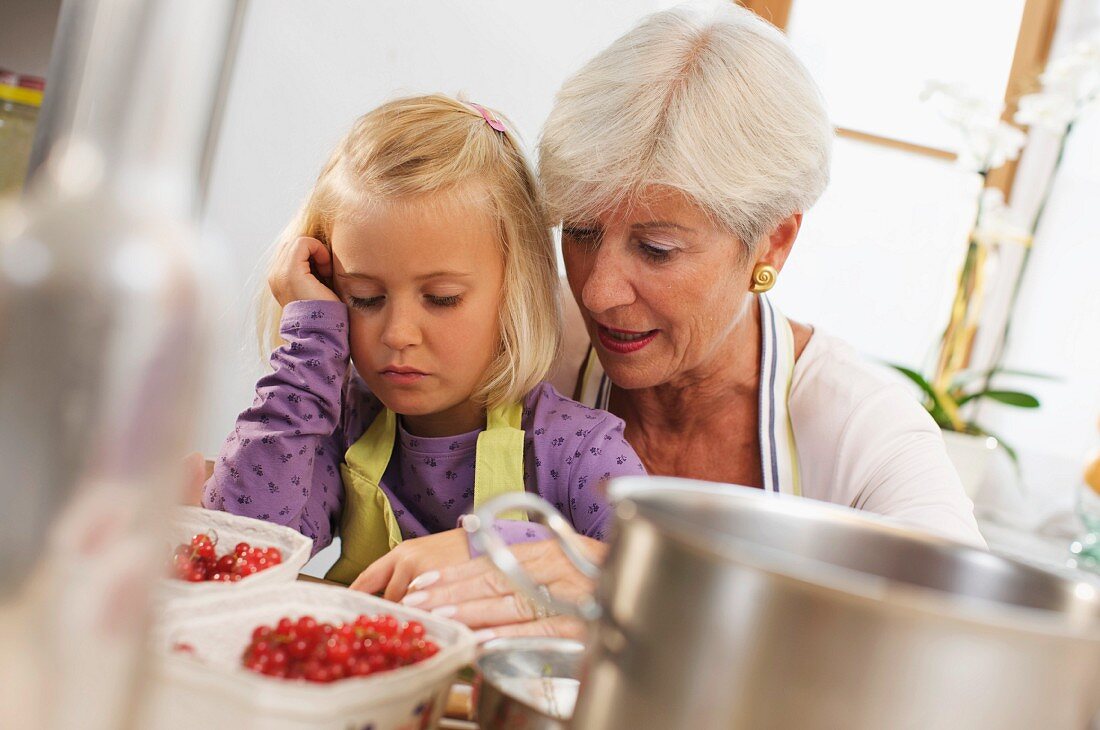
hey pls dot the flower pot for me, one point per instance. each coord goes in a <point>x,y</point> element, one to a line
<point>971,456</point>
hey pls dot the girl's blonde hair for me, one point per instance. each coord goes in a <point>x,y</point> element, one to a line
<point>425,145</point>
<point>706,99</point>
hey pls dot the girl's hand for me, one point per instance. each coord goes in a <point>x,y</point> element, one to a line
<point>292,278</point>
<point>393,571</point>
<point>477,594</point>
<point>194,479</point>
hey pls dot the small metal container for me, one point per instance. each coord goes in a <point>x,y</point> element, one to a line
<point>528,683</point>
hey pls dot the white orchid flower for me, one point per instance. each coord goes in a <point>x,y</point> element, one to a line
<point>1076,73</point>
<point>959,106</point>
<point>985,141</point>
<point>1070,83</point>
<point>990,147</point>
<point>999,223</point>
<point>1048,110</point>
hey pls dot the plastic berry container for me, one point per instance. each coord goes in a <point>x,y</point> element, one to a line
<point>186,522</point>
<point>205,685</point>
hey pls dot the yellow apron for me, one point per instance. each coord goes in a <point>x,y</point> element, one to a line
<point>368,527</point>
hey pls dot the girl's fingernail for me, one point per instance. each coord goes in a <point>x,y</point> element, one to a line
<point>424,580</point>
<point>445,611</point>
<point>414,599</point>
<point>484,635</point>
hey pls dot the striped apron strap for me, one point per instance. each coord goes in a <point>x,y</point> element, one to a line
<point>778,456</point>
<point>595,386</point>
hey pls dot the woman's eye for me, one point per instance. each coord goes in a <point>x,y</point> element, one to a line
<point>449,301</point>
<point>654,253</point>
<point>365,302</point>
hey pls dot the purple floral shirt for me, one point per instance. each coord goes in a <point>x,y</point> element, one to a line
<point>282,461</point>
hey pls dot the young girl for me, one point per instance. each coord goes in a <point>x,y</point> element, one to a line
<point>422,253</point>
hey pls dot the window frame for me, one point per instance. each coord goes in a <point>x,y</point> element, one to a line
<point>1033,42</point>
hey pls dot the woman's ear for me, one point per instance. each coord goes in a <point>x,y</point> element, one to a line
<point>780,241</point>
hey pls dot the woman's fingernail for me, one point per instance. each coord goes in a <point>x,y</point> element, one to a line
<point>414,599</point>
<point>445,611</point>
<point>483,635</point>
<point>424,580</point>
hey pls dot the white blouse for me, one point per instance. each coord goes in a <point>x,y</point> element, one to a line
<point>864,441</point>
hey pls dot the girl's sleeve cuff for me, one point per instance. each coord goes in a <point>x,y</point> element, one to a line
<point>314,314</point>
<point>512,531</point>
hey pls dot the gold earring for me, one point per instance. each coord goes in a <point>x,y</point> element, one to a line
<point>763,278</point>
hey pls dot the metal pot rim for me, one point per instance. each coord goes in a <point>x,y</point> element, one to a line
<point>521,643</point>
<point>848,583</point>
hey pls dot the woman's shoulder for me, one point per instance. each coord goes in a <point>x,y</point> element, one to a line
<point>846,407</point>
<point>830,376</point>
<point>865,441</point>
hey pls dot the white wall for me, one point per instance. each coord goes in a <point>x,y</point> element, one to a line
<point>875,264</point>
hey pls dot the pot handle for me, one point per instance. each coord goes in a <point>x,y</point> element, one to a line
<point>486,539</point>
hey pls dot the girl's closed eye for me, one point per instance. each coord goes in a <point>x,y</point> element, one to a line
<point>365,303</point>
<point>451,300</point>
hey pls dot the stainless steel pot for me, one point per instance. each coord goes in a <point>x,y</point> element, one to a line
<point>725,607</point>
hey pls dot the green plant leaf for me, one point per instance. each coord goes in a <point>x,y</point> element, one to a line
<point>934,405</point>
<point>1023,374</point>
<point>968,376</point>
<point>1011,453</point>
<point>1008,397</point>
<point>914,376</point>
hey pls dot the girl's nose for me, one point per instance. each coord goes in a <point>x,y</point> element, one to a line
<point>401,329</point>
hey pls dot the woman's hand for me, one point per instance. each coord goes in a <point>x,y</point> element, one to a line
<point>394,570</point>
<point>292,278</point>
<point>477,594</point>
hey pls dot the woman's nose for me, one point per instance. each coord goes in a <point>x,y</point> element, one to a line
<point>401,329</point>
<point>608,285</point>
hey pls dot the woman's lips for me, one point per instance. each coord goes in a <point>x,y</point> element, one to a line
<point>624,341</point>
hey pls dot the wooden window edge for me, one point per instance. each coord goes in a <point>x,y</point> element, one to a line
<point>776,12</point>
<point>896,144</point>
<point>1033,43</point>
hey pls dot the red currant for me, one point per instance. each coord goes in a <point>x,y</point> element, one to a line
<point>199,561</point>
<point>325,652</point>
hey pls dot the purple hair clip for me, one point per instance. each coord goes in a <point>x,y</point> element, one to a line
<point>493,121</point>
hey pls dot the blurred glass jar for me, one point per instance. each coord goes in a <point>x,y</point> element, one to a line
<point>20,100</point>
<point>1086,549</point>
<point>103,315</point>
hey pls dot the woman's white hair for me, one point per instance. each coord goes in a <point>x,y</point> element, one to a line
<point>710,101</point>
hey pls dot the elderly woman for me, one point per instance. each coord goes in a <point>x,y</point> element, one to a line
<point>680,161</point>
